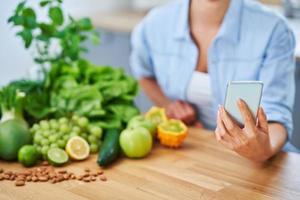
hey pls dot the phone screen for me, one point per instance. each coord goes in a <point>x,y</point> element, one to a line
<point>249,91</point>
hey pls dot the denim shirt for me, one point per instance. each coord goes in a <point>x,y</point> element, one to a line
<point>253,43</point>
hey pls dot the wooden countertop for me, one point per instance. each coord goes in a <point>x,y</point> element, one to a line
<point>201,169</point>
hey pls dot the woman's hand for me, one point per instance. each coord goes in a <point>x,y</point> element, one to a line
<point>182,111</point>
<point>252,141</point>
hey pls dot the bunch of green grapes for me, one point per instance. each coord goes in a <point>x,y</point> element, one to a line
<point>56,133</point>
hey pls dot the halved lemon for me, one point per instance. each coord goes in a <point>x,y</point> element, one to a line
<point>78,148</point>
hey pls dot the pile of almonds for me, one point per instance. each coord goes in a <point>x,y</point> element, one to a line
<point>47,173</point>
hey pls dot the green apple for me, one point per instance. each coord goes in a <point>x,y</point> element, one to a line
<point>136,142</point>
<point>141,121</point>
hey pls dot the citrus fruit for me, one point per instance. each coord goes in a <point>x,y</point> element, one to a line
<point>28,155</point>
<point>57,156</point>
<point>78,148</point>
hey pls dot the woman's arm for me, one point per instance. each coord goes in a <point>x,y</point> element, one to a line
<point>175,109</point>
<point>154,92</point>
<point>278,136</point>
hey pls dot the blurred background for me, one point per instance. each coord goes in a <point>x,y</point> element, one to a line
<point>115,19</point>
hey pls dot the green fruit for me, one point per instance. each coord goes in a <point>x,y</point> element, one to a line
<point>37,139</point>
<point>76,129</point>
<point>44,150</point>
<point>94,148</point>
<point>53,138</point>
<point>35,127</point>
<point>14,134</point>
<point>92,139</point>
<point>136,142</point>
<point>45,142</point>
<point>64,128</point>
<point>44,125</point>
<point>72,134</point>
<point>46,133</point>
<point>54,124</point>
<point>96,131</point>
<point>53,145</point>
<point>57,156</point>
<point>83,122</point>
<point>141,121</point>
<point>28,155</point>
<point>61,143</point>
<point>63,120</point>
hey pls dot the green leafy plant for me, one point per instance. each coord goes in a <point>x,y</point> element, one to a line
<point>63,32</point>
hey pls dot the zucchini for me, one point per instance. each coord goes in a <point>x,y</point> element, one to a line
<point>110,149</point>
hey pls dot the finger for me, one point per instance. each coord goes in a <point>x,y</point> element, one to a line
<point>220,139</point>
<point>189,112</point>
<point>249,121</point>
<point>178,111</point>
<point>262,120</point>
<point>224,135</point>
<point>230,125</point>
<point>183,113</point>
<point>198,124</point>
<point>188,108</point>
<point>170,111</point>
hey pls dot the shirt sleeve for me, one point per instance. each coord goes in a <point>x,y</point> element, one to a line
<point>278,76</point>
<point>140,59</point>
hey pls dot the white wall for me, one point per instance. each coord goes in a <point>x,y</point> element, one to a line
<point>14,60</point>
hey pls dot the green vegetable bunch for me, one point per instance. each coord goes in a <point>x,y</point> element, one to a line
<point>72,85</point>
<point>69,34</point>
<point>103,94</point>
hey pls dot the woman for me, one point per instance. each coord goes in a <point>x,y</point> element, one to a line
<point>185,53</point>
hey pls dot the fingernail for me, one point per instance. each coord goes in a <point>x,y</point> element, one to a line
<point>240,101</point>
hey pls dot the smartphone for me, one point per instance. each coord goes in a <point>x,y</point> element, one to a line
<point>249,91</point>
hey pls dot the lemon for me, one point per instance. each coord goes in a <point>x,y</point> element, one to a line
<point>78,148</point>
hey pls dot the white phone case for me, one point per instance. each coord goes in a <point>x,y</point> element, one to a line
<point>249,91</point>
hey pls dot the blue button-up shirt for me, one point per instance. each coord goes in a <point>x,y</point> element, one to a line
<point>253,43</point>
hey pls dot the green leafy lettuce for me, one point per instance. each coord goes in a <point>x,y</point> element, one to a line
<point>103,94</point>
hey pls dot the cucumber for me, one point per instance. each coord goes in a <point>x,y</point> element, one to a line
<point>110,149</point>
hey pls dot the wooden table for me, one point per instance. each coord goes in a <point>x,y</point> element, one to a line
<point>201,169</point>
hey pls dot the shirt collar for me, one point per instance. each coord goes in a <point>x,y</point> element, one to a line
<point>230,28</point>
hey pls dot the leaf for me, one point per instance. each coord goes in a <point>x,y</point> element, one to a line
<point>44,3</point>
<point>124,112</point>
<point>108,122</point>
<point>42,37</point>
<point>95,38</point>
<point>36,102</point>
<point>56,15</point>
<point>16,20</point>
<point>26,35</point>
<point>47,29</point>
<point>29,18</point>
<point>20,7</point>
<point>85,24</point>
